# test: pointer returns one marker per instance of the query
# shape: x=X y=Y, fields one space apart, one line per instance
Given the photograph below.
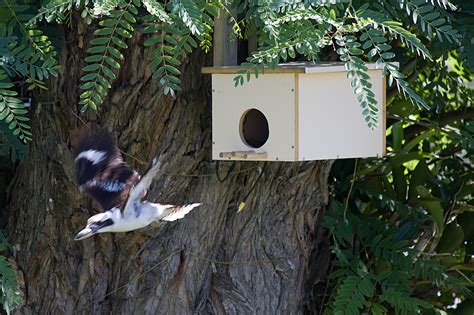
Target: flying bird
x=103 y=174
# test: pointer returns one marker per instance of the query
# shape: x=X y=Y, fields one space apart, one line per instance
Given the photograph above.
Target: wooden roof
x=294 y=67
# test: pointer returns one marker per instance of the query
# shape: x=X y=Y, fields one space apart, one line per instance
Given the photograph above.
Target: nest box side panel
x=331 y=124
x=272 y=95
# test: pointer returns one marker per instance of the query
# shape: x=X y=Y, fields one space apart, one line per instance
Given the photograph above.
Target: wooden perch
x=243 y=155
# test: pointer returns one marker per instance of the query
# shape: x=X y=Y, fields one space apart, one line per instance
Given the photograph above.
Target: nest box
x=295 y=112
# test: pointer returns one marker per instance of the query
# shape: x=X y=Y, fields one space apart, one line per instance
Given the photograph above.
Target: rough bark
x=272 y=257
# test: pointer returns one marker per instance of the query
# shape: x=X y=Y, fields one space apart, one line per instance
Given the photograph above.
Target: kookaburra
x=102 y=173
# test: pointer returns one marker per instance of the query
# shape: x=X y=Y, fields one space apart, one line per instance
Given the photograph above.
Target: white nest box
x=295 y=112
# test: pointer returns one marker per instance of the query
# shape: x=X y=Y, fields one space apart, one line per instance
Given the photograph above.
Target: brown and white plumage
x=101 y=171
x=103 y=174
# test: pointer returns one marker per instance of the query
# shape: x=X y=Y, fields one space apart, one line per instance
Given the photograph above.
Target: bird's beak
x=87 y=232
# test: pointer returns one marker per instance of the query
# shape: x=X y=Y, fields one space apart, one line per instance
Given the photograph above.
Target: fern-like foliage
x=11 y=297
x=443 y=3
x=175 y=28
x=13 y=111
x=431 y=19
x=466 y=30
x=13 y=120
x=172 y=45
x=157 y=10
x=104 y=7
x=54 y=11
x=105 y=54
x=34 y=46
x=290 y=26
x=360 y=81
x=396 y=265
x=403 y=303
x=35 y=60
x=175 y=31
x=26 y=52
x=296 y=30
x=190 y=14
x=378 y=20
x=10 y=145
x=353 y=294
x=374 y=40
x=305 y=40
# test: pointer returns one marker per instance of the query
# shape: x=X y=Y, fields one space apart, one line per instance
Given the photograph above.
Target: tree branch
x=414 y=67
x=443 y=120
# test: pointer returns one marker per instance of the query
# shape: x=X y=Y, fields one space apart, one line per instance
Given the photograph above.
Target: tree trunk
x=272 y=257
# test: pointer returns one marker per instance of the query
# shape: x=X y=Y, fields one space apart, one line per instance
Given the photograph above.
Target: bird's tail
x=178 y=212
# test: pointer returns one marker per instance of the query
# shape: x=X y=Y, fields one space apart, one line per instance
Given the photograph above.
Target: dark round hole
x=254 y=128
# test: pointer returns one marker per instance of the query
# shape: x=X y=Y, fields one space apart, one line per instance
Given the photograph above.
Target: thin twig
x=77 y=116
x=326 y=290
x=350 y=189
x=133 y=279
x=464 y=276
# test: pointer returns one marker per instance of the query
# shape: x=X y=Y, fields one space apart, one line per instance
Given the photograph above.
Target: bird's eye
x=105 y=223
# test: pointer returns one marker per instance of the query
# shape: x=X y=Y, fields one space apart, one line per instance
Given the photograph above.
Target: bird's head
x=99 y=223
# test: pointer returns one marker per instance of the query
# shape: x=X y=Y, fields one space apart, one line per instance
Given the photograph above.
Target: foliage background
x=401 y=229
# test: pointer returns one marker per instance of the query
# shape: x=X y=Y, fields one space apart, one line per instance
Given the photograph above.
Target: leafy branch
x=395 y=28
x=190 y=14
x=105 y=55
x=22 y=60
x=376 y=41
x=352 y=294
x=31 y=35
x=377 y=264
x=360 y=80
x=11 y=297
x=157 y=10
x=54 y=11
x=174 y=44
x=12 y=110
x=431 y=19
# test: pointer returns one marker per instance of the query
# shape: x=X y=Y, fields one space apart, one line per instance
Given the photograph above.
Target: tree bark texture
x=272 y=257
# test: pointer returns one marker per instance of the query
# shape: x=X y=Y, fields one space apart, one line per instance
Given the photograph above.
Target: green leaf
x=388 y=55
x=93 y=58
x=5 y=85
x=99 y=41
x=399 y=181
x=117 y=41
x=114 y=52
x=451 y=239
x=433 y=205
x=108 y=73
x=123 y=33
x=172 y=69
x=96 y=49
x=397 y=135
x=419 y=177
x=378 y=309
x=417 y=140
x=89 y=76
x=103 y=32
x=112 y=62
x=152 y=41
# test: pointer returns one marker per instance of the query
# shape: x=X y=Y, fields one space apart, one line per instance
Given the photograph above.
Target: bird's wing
x=173 y=213
x=101 y=171
x=139 y=190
